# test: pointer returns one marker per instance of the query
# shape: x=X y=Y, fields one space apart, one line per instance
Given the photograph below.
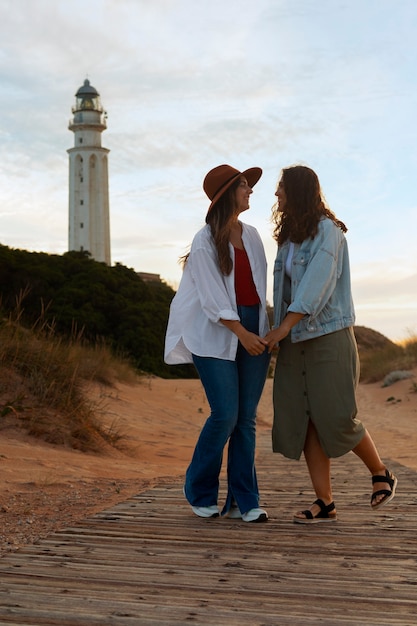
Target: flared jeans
x=233 y=390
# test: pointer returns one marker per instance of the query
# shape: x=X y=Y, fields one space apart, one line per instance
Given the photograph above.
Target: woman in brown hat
x=217 y=321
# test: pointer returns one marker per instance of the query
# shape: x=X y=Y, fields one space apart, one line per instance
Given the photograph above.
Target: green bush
x=100 y=304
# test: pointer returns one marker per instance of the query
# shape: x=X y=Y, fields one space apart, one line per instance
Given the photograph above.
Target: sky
x=188 y=85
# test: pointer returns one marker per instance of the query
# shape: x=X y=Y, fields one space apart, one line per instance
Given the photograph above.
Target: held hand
x=254 y=344
x=274 y=337
x=277 y=334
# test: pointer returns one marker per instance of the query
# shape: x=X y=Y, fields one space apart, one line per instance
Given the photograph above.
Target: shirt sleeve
x=319 y=280
x=215 y=291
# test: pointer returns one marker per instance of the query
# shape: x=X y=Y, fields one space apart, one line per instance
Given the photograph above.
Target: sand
x=46 y=487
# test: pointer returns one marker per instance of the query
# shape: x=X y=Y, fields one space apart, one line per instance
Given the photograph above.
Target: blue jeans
x=233 y=390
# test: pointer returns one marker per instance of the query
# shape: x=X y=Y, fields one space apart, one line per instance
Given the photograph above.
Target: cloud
x=188 y=85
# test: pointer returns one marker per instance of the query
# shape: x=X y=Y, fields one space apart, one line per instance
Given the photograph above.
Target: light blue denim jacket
x=320 y=285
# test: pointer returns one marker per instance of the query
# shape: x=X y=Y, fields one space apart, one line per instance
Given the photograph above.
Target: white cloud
x=188 y=85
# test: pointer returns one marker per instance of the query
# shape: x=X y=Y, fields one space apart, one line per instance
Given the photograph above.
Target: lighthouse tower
x=89 y=219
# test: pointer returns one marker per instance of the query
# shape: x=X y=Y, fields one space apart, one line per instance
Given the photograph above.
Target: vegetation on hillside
x=379 y=356
x=44 y=384
x=78 y=296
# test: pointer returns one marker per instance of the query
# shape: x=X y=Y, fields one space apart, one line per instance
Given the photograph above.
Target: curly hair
x=304 y=207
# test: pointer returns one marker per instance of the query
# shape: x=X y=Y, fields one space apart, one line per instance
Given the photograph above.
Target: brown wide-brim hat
x=219 y=179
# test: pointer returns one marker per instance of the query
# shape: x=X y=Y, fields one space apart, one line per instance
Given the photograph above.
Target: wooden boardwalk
x=150 y=561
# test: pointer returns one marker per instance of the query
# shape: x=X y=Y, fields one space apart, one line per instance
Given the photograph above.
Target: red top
x=246 y=294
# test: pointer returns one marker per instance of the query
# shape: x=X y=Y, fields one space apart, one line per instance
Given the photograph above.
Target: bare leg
x=318 y=465
x=367 y=452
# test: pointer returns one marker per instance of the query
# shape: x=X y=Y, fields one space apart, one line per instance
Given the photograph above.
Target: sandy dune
x=45 y=487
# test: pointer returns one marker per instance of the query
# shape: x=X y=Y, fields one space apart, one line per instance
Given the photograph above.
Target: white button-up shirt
x=205 y=296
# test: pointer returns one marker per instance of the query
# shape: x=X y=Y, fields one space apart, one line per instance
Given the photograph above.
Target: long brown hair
x=219 y=218
x=304 y=207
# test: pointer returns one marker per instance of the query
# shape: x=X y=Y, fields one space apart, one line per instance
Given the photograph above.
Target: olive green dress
x=316 y=380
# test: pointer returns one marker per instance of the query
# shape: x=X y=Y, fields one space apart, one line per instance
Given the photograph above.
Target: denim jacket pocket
x=302 y=259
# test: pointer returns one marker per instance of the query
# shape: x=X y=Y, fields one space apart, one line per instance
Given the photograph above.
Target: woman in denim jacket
x=317 y=367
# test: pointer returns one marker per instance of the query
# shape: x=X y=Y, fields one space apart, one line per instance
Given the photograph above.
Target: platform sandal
x=388 y=494
x=325 y=514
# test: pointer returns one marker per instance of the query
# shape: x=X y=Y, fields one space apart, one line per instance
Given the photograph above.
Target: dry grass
x=44 y=384
x=379 y=356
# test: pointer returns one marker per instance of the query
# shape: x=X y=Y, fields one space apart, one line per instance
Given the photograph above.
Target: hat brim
x=252 y=175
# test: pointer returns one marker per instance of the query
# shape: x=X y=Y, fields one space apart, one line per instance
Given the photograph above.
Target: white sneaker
x=255 y=515
x=234 y=512
x=206 y=511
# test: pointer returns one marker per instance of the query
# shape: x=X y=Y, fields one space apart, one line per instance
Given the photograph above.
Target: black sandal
x=388 y=494
x=324 y=515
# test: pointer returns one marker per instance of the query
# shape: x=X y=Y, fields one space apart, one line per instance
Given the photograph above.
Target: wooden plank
x=150 y=561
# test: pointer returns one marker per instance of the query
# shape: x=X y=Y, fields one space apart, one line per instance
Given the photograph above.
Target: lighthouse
x=89 y=217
